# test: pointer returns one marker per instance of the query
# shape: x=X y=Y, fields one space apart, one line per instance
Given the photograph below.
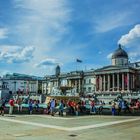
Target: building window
x=121 y=61
x=89 y=89
x=84 y=89
x=89 y=81
x=84 y=81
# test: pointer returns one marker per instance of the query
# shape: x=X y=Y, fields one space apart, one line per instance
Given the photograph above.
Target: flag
x=78 y=60
x=126 y=80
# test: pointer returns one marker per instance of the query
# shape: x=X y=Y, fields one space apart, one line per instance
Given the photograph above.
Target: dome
x=119 y=53
x=57 y=70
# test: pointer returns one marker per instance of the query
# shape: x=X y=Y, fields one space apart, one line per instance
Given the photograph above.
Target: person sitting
x=37 y=105
x=100 y=109
x=19 y=103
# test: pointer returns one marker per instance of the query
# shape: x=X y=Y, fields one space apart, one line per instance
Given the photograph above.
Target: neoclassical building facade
x=119 y=77
x=74 y=83
x=122 y=76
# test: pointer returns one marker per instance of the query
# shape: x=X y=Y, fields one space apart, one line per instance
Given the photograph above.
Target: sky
x=38 y=35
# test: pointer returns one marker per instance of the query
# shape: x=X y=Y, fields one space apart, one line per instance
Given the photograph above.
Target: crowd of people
x=71 y=106
x=18 y=105
x=125 y=106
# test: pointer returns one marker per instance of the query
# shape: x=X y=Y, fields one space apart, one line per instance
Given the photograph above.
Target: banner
x=125 y=80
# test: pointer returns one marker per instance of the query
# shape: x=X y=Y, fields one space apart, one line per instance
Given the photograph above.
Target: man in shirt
x=11 y=103
x=52 y=106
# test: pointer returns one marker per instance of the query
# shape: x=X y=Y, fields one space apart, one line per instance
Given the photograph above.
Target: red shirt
x=92 y=103
x=73 y=104
x=69 y=103
x=11 y=102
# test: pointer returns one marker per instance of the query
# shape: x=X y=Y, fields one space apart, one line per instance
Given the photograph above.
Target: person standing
x=77 y=109
x=92 y=106
x=30 y=106
x=11 y=103
x=2 y=105
x=52 y=106
x=61 y=108
x=113 y=108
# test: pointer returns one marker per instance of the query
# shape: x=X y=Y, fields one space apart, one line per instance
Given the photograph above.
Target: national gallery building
x=119 y=77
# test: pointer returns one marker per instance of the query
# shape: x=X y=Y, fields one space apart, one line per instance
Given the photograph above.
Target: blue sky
x=36 y=35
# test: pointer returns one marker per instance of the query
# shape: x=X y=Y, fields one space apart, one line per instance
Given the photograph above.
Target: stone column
x=118 y=84
x=108 y=83
x=70 y=84
x=97 y=83
x=113 y=85
x=122 y=81
x=128 y=86
x=101 y=83
x=79 y=85
x=76 y=85
x=104 y=83
x=133 y=81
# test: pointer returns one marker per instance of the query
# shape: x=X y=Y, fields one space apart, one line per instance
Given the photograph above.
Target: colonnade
x=77 y=83
x=115 y=82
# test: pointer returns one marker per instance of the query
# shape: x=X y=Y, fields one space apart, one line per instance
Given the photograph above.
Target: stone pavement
x=43 y=127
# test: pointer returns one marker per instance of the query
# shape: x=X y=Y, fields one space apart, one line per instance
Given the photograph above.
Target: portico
x=121 y=80
x=118 y=77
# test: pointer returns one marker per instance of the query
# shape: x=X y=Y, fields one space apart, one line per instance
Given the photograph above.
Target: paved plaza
x=43 y=127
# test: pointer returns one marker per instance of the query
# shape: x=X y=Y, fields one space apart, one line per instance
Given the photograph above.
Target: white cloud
x=48 y=62
x=43 y=24
x=48 y=18
x=109 y=56
x=3 y=33
x=134 y=56
x=9 y=48
x=111 y=21
x=131 y=37
x=131 y=40
x=18 y=56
